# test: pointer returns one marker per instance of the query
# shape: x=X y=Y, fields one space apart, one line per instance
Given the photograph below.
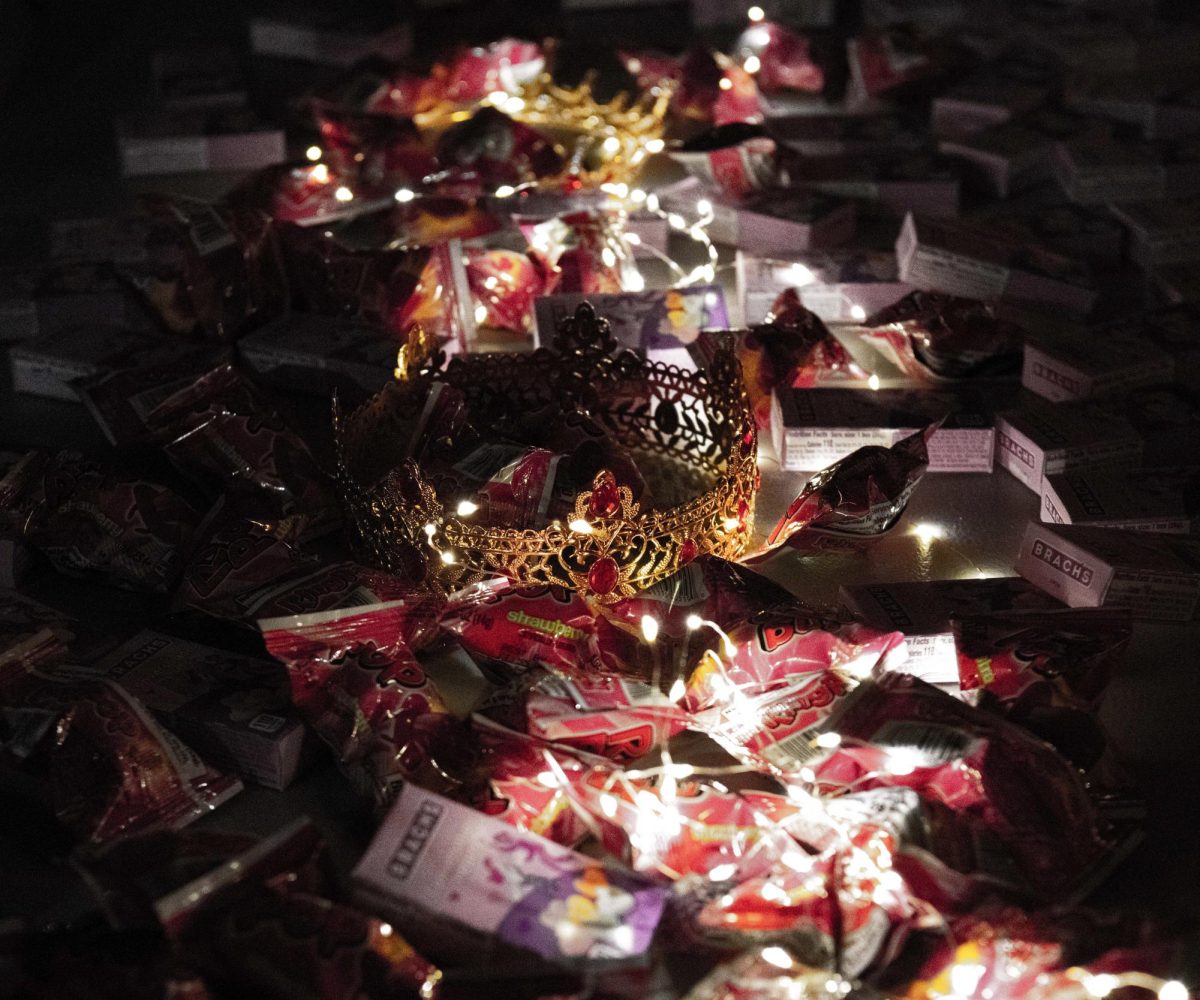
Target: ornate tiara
x=691 y=432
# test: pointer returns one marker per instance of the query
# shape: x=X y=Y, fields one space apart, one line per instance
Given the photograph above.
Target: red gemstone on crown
x=688 y=550
x=602 y=577
x=743 y=514
x=605 y=500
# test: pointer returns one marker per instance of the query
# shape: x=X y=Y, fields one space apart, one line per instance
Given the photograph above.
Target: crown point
x=605 y=500
x=602 y=577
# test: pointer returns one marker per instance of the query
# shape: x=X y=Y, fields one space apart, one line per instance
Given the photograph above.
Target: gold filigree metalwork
x=604 y=141
x=687 y=426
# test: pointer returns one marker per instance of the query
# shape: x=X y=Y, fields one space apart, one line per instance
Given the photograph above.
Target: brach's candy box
x=843 y=135
x=315 y=354
x=329 y=37
x=1159 y=105
x=961 y=259
x=1097 y=171
x=234 y=710
x=1127 y=354
x=1161 y=231
x=812 y=428
x=1041 y=439
x=989 y=97
x=779 y=221
x=196 y=141
x=1019 y=154
x=456 y=875
x=1160 y=500
x=897 y=183
x=1099 y=361
x=660 y=322
x=840 y=286
x=46 y=366
x=922 y=611
x=1155 y=576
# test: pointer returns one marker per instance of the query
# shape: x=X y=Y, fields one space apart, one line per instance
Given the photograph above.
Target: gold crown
x=691 y=432
x=603 y=141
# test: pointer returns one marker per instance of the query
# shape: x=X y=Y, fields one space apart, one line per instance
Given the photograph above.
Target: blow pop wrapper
x=898 y=730
x=506 y=628
x=91 y=521
x=435 y=864
x=928 y=334
x=514 y=782
x=862 y=494
x=505 y=283
x=212 y=272
x=738 y=158
x=769 y=692
x=1045 y=670
x=356 y=682
x=790 y=348
x=784 y=57
x=113 y=770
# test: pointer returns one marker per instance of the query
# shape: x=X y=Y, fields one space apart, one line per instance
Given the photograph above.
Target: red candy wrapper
x=680 y=829
x=371 y=150
x=792 y=347
x=697 y=79
x=862 y=494
x=602 y=713
x=213 y=271
x=928 y=334
x=750 y=976
x=505 y=283
x=584 y=252
x=1002 y=953
x=899 y=731
x=766 y=693
x=1045 y=670
x=785 y=59
x=222 y=433
x=307 y=195
x=520 y=628
x=92 y=522
x=846 y=906
x=522 y=781
x=356 y=682
x=503 y=66
x=114 y=771
x=490 y=149
x=737 y=158
x=881 y=62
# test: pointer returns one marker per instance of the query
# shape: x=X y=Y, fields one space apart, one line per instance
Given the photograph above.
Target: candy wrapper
x=356 y=682
x=785 y=58
x=737 y=158
x=1007 y=954
x=113 y=770
x=766 y=693
x=514 y=782
x=441 y=868
x=927 y=334
x=698 y=79
x=371 y=150
x=91 y=521
x=900 y=731
x=679 y=829
x=862 y=494
x=504 y=284
x=885 y=61
x=846 y=906
x=603 y=713
x=506 y=628
x=790 y=348
x=490 y=149
x=211 y=272
x=777 y=976
x=391 y=288
x=584 y=252
x=1045 y=670
x=222 y=433
x=308 y=195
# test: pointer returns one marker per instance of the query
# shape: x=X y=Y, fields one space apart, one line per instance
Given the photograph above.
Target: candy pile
x=952 y=251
